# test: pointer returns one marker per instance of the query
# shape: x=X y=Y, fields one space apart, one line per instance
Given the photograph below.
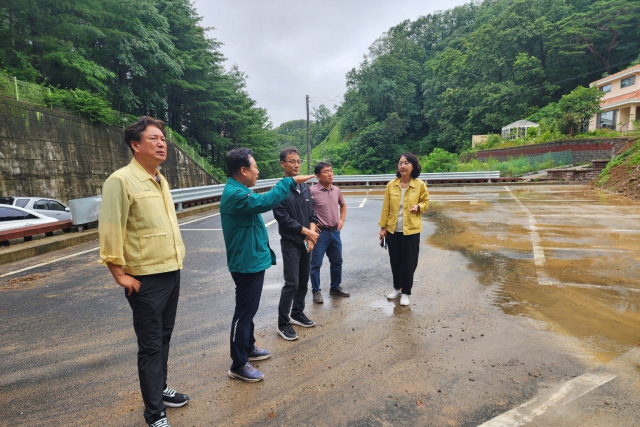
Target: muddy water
x=591 y=244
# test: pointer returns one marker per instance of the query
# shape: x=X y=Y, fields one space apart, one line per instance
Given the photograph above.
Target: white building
x=517 y=129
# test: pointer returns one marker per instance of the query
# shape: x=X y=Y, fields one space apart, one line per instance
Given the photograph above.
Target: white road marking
x=538 y=252
x=199 y=219
x=363 y=202
x=42 y=264
x=270 y=222
x=569 y=392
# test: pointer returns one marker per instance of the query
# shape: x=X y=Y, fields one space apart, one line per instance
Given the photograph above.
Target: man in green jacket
x=248 y=252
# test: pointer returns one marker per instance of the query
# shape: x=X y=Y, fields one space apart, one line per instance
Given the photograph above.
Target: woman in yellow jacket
x=405 y=199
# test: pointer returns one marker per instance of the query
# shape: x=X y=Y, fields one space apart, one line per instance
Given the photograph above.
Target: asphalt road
x=525 y=312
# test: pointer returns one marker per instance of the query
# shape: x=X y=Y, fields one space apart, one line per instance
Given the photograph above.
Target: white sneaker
x=404 y=299
x=395 y=294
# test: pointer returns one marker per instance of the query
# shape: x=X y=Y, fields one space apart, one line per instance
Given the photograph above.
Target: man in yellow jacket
x=141 y=245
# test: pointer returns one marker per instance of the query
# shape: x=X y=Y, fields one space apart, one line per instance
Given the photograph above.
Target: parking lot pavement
x=525 y=312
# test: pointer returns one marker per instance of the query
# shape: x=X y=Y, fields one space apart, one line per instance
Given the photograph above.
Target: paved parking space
x=525 y=312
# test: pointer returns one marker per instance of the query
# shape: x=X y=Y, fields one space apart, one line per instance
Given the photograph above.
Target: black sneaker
x=246 y=373
x=161 y=420
x=173 y=399
x=302 y=320
x=339 y=292
x=288 y=333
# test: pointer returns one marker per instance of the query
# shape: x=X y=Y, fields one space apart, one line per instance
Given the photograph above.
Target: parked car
x=47 y=207
x=14 y=217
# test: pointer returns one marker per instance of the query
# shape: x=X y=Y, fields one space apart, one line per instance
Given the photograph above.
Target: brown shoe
x=317 y=297
x=339 y=292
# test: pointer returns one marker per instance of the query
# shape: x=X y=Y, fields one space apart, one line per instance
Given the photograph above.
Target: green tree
x=575 y=109
x=605 y=28
x=376 y=149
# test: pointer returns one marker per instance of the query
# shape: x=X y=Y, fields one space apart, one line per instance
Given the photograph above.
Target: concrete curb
x=55 y=243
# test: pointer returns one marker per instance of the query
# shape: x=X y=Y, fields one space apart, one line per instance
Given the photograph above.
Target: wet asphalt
x=525 y=312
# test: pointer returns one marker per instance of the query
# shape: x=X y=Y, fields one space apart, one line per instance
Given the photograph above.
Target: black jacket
x=294 y=213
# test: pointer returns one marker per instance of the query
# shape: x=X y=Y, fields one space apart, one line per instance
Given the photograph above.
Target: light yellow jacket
x=138 y=227
x=416 y=194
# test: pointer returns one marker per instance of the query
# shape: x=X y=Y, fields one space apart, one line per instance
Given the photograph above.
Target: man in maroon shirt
x=326 y=199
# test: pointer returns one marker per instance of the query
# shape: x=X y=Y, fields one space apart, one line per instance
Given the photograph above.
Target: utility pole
x=308 y=141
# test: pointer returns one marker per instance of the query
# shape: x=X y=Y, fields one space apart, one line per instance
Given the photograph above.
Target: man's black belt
x=327 y=228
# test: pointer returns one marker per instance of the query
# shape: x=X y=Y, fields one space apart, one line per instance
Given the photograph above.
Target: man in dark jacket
x=248 y=252
x=297 y=226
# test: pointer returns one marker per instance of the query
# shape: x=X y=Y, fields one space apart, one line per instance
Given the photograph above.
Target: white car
x=42 y=205
x=14 y=217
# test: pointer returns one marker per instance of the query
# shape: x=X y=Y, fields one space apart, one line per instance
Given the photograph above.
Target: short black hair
x=237 y=159
x=134 y=131
x=321 y=166
x=286 y=151
x=415 y=172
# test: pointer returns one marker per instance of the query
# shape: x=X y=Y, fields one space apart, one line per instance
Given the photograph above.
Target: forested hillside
x=424 y=84
x=142 y=57
x=433 y=82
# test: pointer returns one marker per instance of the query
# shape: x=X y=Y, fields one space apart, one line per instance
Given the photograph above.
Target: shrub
x=440 y=161
x=82 y=103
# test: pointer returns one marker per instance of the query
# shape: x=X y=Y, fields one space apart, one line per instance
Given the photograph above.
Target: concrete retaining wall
x=582 y=151
x=48 y=153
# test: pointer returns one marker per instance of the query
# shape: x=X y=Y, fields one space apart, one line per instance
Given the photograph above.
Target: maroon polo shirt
x=326 y=203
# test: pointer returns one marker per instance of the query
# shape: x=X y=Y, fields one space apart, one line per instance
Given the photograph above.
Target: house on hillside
x=621 y=101
x=517 y=129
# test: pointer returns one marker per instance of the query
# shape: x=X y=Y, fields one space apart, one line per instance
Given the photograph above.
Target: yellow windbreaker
x=416 y=194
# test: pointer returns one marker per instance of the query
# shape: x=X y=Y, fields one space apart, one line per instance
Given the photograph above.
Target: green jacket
x=245 y=236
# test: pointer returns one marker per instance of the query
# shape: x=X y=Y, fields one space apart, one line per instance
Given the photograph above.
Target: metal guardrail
x=87 y=210
x=426 y=177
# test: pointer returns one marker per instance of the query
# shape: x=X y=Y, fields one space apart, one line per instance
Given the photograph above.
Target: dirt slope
x=622 y=174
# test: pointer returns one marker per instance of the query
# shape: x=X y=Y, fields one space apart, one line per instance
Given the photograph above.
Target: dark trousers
x=403 y=254
x=295 y=262
x=328 y=242
x=248 y=292
x=154 y=309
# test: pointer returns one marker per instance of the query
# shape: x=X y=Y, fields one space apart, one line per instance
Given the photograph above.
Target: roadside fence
x=86 y=210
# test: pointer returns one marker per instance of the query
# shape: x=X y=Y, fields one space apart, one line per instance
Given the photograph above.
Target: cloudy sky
x=290 y=49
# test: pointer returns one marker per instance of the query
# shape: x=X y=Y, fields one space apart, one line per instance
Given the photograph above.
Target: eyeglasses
x=404 y=163
x=295 y=162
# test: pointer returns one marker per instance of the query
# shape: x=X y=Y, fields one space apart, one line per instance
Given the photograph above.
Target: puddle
x=385 y=306
x=496 y=240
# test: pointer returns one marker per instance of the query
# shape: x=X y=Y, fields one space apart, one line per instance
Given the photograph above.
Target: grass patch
x=629 y=158
x=510 y=168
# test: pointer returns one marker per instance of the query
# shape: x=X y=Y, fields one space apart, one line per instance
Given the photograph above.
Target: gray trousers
x=296 y=263
x=154 y=309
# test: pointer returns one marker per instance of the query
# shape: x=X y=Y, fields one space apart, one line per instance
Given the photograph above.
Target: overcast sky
x=290 y=49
